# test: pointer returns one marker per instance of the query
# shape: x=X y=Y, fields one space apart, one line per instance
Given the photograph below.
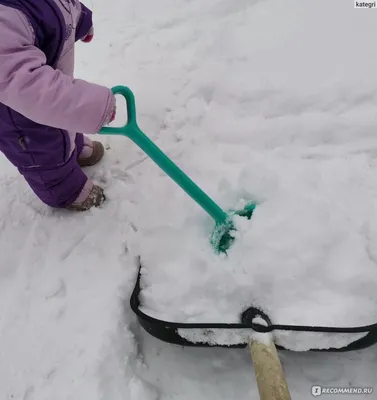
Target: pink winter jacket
x=45 y=95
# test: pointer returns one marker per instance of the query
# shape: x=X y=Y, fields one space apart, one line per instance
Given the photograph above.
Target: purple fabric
x=49 y=37
x=79 y=142
x=58 y=186
x=41 y=105
x=85 y=23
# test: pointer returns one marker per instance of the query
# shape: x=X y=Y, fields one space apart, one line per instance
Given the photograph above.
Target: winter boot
x=95 y=197
x=91 y=154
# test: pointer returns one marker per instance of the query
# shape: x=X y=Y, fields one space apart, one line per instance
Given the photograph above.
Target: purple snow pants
x=47 y=162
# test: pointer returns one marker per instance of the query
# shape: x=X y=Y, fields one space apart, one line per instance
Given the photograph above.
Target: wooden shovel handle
x=268 y=371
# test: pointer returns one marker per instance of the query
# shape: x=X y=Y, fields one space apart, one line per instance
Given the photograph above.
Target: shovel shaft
x=269 y=373
x=132 y=131
x=179 y=177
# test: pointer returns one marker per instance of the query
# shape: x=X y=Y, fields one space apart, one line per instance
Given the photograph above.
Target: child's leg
x=58 y=186
x=49 y=164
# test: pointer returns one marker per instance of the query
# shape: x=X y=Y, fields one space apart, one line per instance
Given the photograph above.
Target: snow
x=272 y=124
x=295 y=259
x=264 y=100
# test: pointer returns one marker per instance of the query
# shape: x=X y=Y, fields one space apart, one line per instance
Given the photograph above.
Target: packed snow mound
x=275 y=112
x=307 y=256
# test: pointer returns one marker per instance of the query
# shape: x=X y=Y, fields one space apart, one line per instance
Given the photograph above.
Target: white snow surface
x=268 y=101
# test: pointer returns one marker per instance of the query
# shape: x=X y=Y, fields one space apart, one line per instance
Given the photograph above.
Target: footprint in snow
x=59 y=292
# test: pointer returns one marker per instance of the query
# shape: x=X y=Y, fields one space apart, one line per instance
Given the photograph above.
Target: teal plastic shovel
x=222 y=237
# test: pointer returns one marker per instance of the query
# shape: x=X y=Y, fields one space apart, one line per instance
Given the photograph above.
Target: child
x=42 y=107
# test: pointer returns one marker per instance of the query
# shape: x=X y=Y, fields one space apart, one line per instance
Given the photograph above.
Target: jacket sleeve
x=41 y=93
x=85 y=22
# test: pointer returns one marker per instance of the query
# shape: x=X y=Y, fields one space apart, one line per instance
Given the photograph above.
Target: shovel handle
x=133 y=132
x=269 y=373
x=130 y=128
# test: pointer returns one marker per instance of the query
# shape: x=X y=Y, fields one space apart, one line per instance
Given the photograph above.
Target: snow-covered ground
x=248 y=97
